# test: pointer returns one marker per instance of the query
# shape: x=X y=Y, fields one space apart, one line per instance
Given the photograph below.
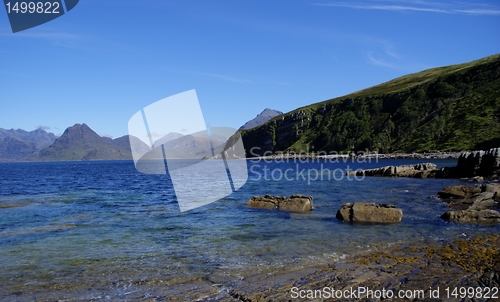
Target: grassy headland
x=448 y=108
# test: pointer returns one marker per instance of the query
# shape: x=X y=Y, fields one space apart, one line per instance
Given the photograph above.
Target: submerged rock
x=369 y=212
x=294 y=203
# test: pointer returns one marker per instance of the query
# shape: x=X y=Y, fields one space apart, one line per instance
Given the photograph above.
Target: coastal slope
x=448 y=108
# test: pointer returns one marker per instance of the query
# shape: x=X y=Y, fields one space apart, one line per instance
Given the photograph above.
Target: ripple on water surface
x=88 y=228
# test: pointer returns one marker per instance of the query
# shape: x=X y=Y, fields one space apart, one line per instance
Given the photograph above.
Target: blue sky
x=106 y=59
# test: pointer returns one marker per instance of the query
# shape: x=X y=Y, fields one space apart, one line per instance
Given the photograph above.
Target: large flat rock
x=369 y=212
x=294 y=203
x=458 y=192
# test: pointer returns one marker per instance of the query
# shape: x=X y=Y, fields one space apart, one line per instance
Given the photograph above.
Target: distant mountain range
x=80 y=142
x=19 y=144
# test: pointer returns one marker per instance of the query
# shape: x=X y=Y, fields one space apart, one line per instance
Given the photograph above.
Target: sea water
x=95 y=229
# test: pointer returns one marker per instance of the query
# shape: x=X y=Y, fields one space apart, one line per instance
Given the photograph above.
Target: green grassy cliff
x=448 y=108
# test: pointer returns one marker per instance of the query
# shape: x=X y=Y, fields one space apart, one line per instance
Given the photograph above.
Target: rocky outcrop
x=479 y=163
x=493 y=188
x=472 y=216
x=471 y=204
x=458 y=192
x=418 y=170
x=476 y=164
x=369 y=212
x=294 y=203
x=482 y=201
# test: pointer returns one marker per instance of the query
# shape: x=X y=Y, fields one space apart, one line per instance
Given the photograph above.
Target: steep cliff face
x=448 y=109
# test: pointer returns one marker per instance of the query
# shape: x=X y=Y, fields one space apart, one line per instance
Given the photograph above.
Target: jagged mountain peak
x=261 y=118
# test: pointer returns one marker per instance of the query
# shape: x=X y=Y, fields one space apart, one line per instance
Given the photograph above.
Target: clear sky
x=106 y=59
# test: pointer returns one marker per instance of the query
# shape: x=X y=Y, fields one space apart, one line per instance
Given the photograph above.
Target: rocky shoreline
x=424 y=269
x=469 y=263
x=477 y=164
x=433 y=270
x=358 y=155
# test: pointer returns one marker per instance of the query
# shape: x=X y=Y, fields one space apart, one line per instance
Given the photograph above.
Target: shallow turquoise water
x=93 y=229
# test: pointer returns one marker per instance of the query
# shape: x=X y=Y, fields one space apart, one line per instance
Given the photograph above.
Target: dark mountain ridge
x=79 y=142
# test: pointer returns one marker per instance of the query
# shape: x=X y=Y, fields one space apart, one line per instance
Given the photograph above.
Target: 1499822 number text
x=472 y=293
x=33 y=7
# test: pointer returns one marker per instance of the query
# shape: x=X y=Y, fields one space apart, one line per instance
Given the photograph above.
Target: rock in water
x=458 y=192
x=294 y=203
x=369 y=212
x=482 y=201
x=493 y=188
x=472 y=216
x=267 y=202
x=471 y=204
x=476 y=165
x=418 y=170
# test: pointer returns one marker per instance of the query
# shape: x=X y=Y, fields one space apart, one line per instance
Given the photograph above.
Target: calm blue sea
x=100 y=228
